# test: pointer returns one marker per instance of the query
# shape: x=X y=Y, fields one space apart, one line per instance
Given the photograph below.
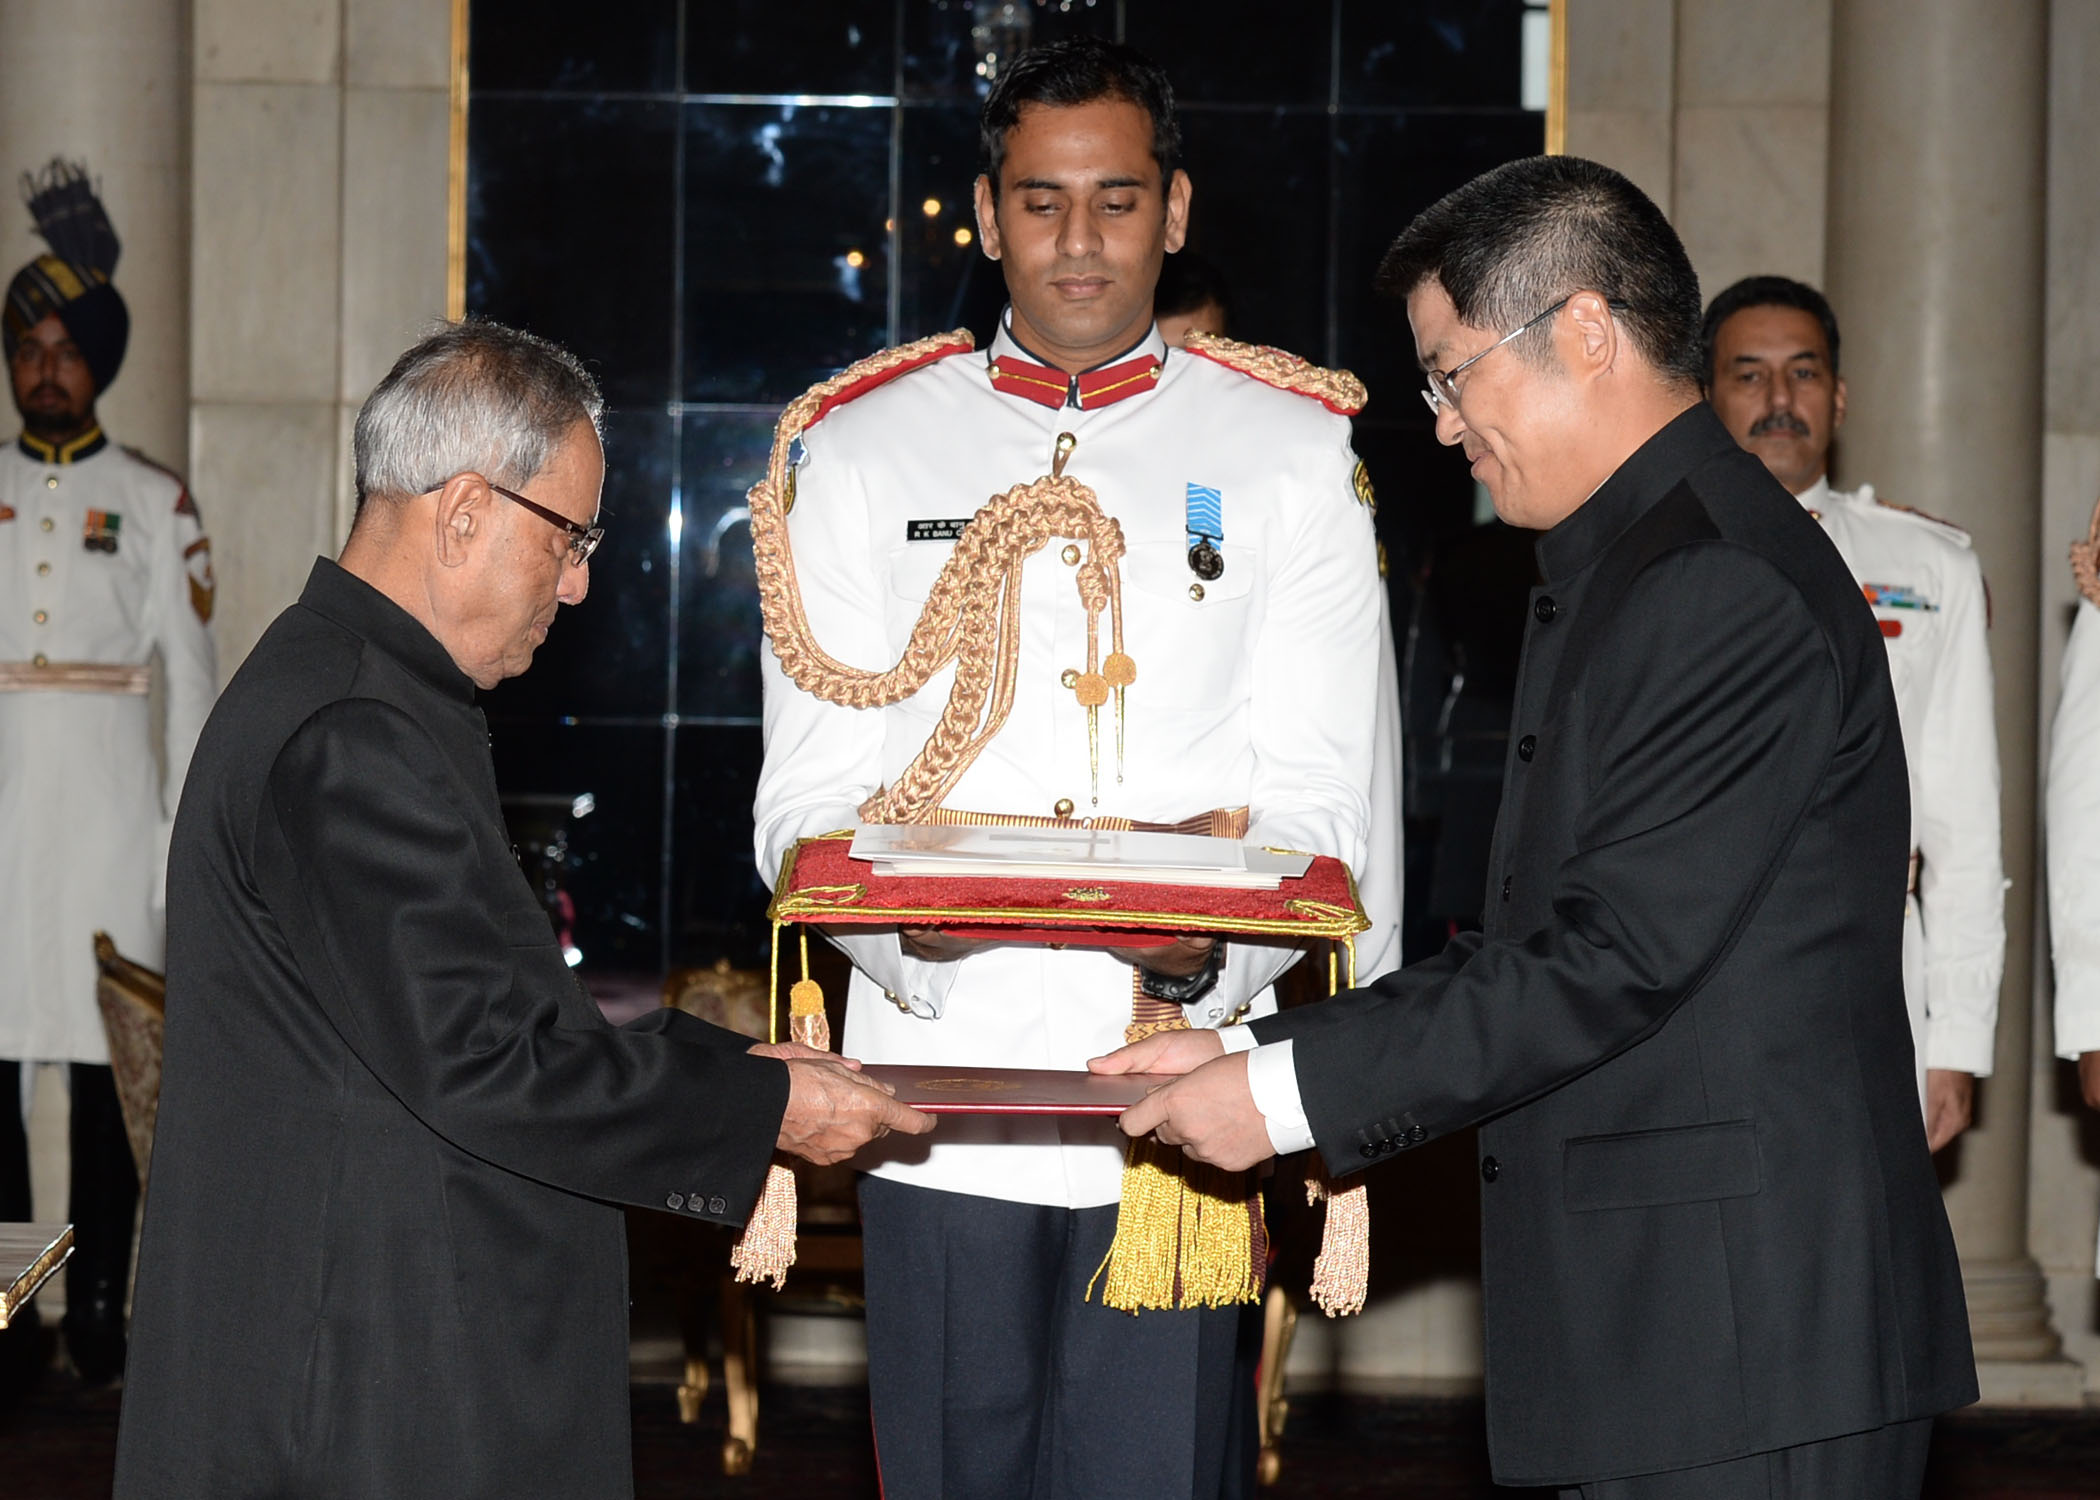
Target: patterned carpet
x=58 y=1444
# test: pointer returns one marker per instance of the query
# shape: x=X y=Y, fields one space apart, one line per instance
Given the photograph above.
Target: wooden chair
x=133 y=1001
x=828 y=1253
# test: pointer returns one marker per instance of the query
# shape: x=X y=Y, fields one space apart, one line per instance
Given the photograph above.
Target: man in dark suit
x=384 y=1250
x=1714 y=1258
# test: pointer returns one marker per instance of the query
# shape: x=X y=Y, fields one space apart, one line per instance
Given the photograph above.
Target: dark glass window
x=570 y=230
x=786 y=250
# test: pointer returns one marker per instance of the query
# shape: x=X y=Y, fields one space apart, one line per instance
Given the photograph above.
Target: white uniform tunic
x=2073 y=811
x=1264 y=692
x=2074 y=840
x=103 y=561
x=1927 y=591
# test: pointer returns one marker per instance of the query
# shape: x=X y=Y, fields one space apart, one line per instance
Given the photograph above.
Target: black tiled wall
x=719 y=202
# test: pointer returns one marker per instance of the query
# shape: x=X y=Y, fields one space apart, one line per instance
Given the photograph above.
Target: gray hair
x=472 y=397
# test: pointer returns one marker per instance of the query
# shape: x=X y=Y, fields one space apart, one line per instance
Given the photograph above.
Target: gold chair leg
x=692 y=1332
x=692 y=1391
x=739 y=1377
x=1279 y=1320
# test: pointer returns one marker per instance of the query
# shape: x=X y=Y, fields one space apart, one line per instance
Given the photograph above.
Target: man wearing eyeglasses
x=1772 y=377
x=1714 y=1260
x=384 y=1249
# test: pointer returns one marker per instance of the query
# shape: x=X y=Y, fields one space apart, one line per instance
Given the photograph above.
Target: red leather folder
x=821 y=883
x=942 y=1090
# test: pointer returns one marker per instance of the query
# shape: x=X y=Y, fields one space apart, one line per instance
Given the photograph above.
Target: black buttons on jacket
x=1397 y=1137
x=1505 y=888
x=1490 y=1169
x=1545 y=609
x=1527 y=747
x=717 y=1205
x=675 y=1200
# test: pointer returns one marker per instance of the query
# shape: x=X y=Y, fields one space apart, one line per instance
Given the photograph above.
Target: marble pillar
x=107 y=82
x=1935 y=257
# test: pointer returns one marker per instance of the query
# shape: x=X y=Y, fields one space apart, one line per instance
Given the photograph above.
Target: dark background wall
x=718 y=203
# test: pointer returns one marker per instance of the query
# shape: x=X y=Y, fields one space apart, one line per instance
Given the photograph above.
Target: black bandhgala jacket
x=1709 y=1223
x=383 y=1251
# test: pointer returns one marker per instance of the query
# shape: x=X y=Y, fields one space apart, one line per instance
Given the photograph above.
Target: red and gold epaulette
x=1337 y=390
x=863 y=376
x=184 y=504
x=1923 y=515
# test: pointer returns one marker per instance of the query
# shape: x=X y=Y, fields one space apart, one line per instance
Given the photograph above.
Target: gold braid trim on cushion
x=972 y=617
x=1337 y=390
x=2085 y=559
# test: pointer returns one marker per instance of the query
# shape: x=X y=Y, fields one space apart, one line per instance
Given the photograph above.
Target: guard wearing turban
x=75 y=288
x=104 y=565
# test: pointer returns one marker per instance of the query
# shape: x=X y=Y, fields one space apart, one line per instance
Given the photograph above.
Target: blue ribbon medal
x=1205 y=524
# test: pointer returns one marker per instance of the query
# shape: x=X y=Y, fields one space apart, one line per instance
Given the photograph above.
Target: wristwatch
x=1185 y=991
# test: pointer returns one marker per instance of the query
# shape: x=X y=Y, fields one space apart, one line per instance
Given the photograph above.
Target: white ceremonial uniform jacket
x=1927 y=591
x=2073 y=813
x=2074 y=840
x=1261 y=690
x=103 y=564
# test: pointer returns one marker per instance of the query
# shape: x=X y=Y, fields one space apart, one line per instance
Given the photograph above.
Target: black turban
x=73 y=281
x=85 y=302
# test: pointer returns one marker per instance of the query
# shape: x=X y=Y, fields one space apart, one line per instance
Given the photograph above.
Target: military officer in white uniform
x=2073 y=811
x=1772 y=361
x=991 y=1373
x=104 y=566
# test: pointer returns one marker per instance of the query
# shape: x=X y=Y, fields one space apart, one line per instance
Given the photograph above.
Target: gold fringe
x=1184 y=1235
x=766 y=1248
x=1341 y=1277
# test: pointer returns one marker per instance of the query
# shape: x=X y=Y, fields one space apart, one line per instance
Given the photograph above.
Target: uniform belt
x=73 y=677
x=1218 y=823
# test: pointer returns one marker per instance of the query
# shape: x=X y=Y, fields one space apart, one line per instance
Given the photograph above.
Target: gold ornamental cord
x=1186 y=1235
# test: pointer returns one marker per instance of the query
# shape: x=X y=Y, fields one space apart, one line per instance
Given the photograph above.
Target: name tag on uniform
x=934 y=531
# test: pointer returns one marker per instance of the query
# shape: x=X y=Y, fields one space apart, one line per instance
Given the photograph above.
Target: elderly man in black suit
x=1714 y=1258
x=384 y=1249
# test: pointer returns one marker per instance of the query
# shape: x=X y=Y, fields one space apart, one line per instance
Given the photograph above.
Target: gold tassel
x=1342 y=1272
x=766 y=1248
x=1186 y=1235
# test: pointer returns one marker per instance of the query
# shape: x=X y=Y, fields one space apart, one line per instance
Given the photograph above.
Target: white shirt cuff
x=1273 y=1080
x=1237 y=1038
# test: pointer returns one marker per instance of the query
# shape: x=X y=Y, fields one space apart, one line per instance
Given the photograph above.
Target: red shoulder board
x=863 y=376
x=152 y=463
x=1922 y=515
x=1337 y=390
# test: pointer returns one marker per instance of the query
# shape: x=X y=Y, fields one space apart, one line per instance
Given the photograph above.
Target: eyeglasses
x=1443 y=384
x=583 y=540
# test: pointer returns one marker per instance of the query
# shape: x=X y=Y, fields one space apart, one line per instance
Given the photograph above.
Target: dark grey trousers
x=1887 y=1463
x=992 y=1378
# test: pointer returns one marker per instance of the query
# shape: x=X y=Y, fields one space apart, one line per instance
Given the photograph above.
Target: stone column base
x=2020 y=1382
x=2019 y=1358
x=2009 y=1312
